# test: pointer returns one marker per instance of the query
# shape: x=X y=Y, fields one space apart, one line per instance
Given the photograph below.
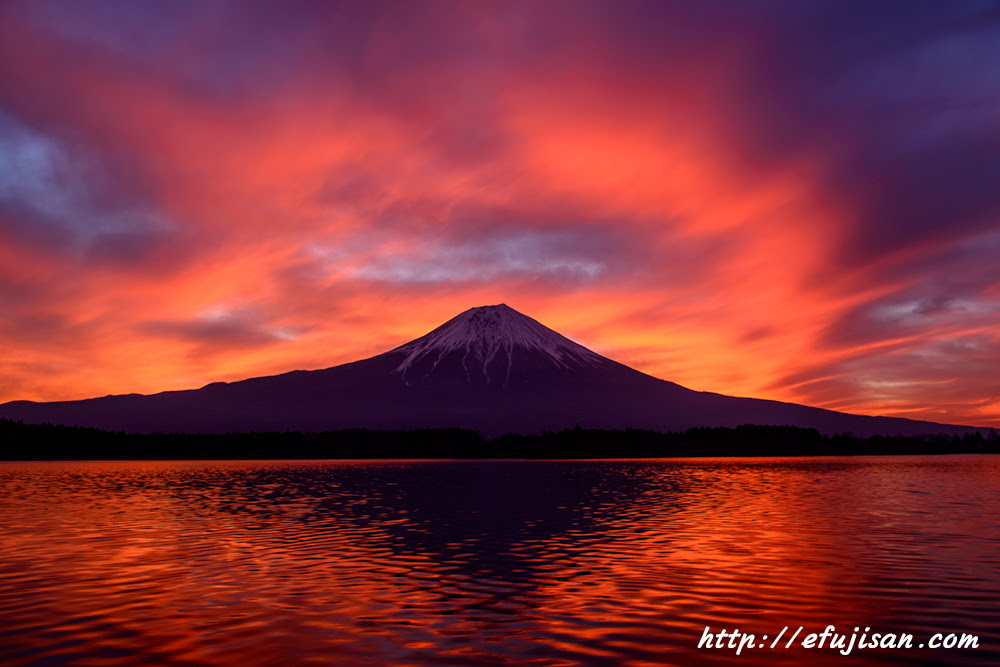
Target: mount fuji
x=491 y=369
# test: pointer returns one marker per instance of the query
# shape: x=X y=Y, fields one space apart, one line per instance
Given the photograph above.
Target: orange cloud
x=191 y=212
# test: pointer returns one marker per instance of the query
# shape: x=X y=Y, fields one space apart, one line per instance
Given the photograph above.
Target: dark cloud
x=569 y=255
x=67 y=197
x=217 y=332
x=899 y=100
x=797 y=178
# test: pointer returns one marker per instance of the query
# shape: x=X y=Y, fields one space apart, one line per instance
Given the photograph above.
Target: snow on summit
x=491 y=333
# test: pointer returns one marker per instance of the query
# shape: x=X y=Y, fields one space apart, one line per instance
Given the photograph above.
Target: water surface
x=493 y=562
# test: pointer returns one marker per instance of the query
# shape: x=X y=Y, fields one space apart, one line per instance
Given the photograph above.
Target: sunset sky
x=787 y=200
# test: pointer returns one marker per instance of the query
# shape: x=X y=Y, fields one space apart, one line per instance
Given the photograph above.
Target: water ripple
x=491 y=563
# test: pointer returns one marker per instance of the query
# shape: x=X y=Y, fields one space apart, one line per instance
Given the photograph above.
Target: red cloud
x=202 y=205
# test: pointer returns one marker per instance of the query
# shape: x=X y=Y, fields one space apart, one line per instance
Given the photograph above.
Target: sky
x=789 y=200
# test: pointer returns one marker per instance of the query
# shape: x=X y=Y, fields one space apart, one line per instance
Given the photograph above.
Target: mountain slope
x=490 y=368
x=485 y=341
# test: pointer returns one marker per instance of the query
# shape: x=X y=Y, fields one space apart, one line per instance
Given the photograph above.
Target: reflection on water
x=493 y=562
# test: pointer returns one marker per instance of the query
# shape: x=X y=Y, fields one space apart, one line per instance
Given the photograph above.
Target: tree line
x=19 y=441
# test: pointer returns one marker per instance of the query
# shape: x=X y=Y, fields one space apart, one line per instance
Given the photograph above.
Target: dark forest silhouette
x=19 y=441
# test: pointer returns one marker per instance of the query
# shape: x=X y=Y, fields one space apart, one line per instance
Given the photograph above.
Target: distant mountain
x=490 y=368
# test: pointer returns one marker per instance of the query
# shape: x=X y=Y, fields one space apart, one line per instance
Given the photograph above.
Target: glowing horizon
x=791 y=202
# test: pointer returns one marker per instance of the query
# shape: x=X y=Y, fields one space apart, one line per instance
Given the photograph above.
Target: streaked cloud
x=787 y=200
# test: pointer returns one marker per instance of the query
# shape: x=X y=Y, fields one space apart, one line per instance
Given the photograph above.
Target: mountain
x=490 y=368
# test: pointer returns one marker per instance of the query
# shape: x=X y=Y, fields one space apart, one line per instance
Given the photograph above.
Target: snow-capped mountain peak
x=486 y=339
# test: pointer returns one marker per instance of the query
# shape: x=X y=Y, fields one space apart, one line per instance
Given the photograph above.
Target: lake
x=498 y=562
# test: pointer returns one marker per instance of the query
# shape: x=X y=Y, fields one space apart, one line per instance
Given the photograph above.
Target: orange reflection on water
x=574 y=563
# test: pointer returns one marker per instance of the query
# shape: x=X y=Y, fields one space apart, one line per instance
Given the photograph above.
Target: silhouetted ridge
x=489 y=369
x=485 y=342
